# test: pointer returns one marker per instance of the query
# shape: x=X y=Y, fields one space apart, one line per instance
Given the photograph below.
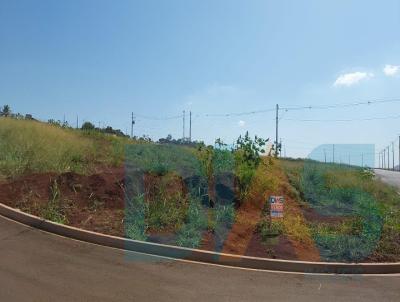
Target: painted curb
x=198 y=255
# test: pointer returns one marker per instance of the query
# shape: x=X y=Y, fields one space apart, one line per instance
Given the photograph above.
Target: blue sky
x=103 y=59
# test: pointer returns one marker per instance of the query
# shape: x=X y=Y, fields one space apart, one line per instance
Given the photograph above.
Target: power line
x=236 y=113
x=346 y=120
x=302 y=107
x=272 y=109
x=343 y=105
x=157 y=118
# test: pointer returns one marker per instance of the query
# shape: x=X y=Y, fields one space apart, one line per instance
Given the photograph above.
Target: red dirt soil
x=96 y=203
x=243 y=238
x=283 y=247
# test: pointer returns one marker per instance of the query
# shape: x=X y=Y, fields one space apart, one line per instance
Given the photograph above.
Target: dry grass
x=30 y=146
x=295 y=225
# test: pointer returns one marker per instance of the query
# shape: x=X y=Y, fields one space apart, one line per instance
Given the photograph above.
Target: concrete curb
x=198 y=255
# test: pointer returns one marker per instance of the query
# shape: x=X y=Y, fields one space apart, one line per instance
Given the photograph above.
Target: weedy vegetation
x=369 y=210
x=28 y=146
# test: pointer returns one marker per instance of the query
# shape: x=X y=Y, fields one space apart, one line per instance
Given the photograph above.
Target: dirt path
x=243 y=239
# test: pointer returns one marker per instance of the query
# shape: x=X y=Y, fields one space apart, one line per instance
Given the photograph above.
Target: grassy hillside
x=30 y=146
x=203 y=197
x=352 y=215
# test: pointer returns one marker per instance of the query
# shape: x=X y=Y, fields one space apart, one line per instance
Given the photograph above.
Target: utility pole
x=384 y=158
x=280 y=146
x=393 y=154
x=276 y=128
x=325 y=155
x=388 y=157
x=190 y=126
x=183 y=126
x=379 y=159
x=132 y=123
x=77 y=122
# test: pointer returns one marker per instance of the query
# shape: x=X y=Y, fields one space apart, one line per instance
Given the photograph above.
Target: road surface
x=390 y=177
x=38 y=266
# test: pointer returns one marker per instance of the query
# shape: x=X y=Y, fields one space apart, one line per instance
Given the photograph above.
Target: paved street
x=390 y=177
x=37 y=266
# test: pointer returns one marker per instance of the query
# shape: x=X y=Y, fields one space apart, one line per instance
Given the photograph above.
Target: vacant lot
x=198 y=196
x=352 y=215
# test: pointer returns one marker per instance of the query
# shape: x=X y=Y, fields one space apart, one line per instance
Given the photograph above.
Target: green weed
x=195 y=224
x=53 y=210
x=135 y=218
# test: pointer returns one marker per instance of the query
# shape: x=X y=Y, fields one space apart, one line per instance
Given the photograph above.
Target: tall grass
x=372 y=209
x=30 y=146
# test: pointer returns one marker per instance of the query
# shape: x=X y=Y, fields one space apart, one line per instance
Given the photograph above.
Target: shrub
x=88 y=126
x=135 y=218
x=166 y=209
x=247 y=159
x=195 y=224
x=269 y=229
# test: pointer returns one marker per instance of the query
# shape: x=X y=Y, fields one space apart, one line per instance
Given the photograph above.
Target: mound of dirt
x=105 y=187
x=94 y=202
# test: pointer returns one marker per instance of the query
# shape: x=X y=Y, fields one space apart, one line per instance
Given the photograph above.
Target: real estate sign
x=276 y=206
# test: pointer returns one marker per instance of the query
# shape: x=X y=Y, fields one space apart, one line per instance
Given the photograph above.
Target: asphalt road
x=38 y=266
x=390 y=177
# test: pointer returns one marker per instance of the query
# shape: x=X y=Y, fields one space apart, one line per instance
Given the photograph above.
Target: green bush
x=135 y=218
x=269 y=229
x=247 y=159
x=196 y=223
x=225 y=215
x=166 y=211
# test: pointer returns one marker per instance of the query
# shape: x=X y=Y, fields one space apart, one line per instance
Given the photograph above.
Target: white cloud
x=391 y=70
x=241 y=124
x=349 y=79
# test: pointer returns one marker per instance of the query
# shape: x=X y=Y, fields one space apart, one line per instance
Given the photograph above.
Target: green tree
x=247 y=158
x=6 y=111
x=87 y=126
x=219 y=143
